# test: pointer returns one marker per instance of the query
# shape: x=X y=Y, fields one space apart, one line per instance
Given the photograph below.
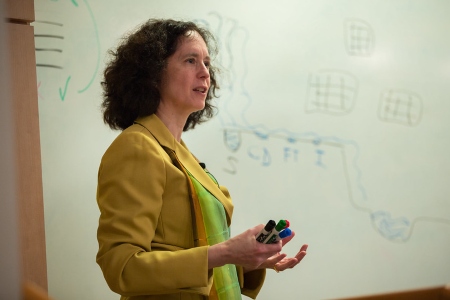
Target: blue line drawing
x=331 y=91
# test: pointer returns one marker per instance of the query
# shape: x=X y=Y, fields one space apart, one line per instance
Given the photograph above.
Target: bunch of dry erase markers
x=273 y=232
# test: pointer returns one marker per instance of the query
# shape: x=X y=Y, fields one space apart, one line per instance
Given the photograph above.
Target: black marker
x=265 y=231
x=282 y=224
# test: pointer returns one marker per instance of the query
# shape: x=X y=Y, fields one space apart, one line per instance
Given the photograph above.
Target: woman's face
x=185 y=81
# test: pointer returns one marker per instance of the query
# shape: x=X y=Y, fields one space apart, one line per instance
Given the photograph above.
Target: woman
x=163 y=229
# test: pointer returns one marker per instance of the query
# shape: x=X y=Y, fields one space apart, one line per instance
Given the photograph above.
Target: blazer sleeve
x=131 y=183
x=251 y=282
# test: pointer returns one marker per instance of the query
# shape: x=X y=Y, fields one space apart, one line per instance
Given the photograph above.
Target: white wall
x=333 y=115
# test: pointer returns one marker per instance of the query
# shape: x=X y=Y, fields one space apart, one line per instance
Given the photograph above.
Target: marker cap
x=285 y=233
x=281 y=224
x=270 y=225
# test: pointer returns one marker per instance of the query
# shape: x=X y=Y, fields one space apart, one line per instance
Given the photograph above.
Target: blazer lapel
x=157 y=128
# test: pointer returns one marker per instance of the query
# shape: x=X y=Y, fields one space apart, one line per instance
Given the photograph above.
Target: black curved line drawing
x=331 y=92
x=359 y=37
x=400 y=107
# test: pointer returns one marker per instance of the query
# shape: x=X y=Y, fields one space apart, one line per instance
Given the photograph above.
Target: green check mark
x=62 y=93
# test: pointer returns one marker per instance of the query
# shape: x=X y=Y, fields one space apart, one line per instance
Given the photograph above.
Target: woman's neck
x=173 y=122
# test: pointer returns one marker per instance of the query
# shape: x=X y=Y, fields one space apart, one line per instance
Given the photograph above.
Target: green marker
x=273 y=235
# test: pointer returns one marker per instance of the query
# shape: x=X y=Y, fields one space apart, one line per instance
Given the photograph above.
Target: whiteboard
x=333 y=115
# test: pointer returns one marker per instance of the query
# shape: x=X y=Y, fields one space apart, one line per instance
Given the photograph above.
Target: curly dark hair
x=133 y=75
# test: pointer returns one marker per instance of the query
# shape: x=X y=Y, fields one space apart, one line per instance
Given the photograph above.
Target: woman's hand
x=279 y=262
x=245 y=251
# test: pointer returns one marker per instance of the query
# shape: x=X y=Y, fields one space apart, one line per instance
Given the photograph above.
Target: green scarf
x=211 y=228
x=217 y=230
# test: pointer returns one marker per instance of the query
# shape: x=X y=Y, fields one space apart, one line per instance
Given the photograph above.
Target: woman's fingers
x=289 y=263
x=276 y=259
x=304 y=247
x=286 y=263
x=288 y=238
x=300 y=255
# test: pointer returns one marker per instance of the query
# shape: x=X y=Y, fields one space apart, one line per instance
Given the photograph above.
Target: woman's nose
x=204 y=71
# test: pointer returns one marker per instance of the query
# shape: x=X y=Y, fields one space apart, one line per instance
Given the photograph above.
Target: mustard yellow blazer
x=145 y=232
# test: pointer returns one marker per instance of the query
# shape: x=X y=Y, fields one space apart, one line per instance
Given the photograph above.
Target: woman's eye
x=191 y=60
x=207 y=64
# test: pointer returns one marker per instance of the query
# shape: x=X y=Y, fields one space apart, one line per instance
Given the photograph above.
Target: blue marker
x=284 y=233
x=264 y=233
